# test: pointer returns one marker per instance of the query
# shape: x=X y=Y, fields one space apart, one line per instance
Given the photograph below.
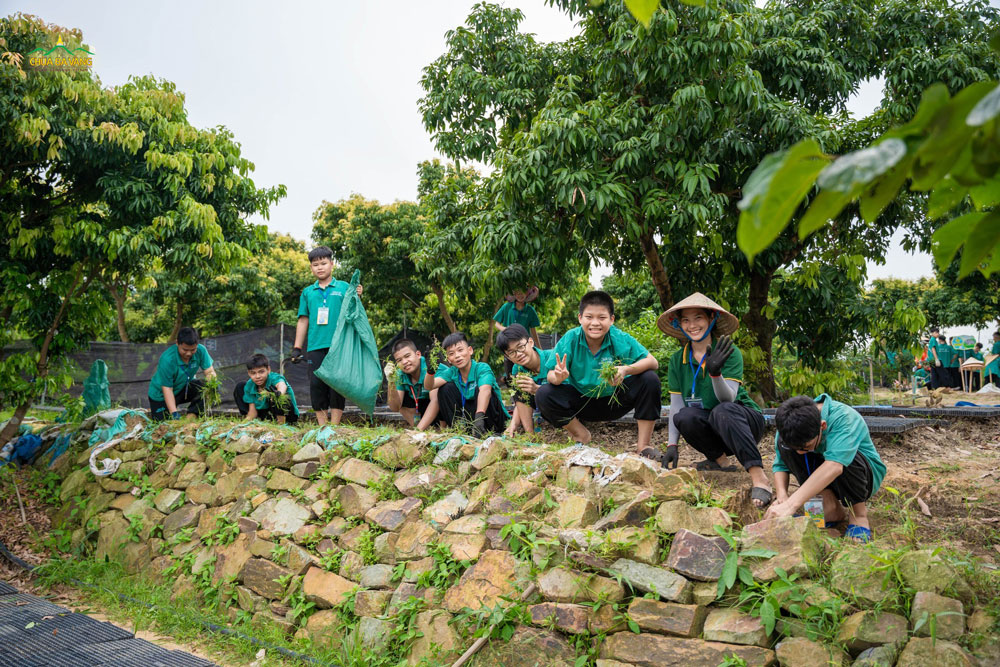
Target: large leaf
x=643 y=10
x=860 y=167
x=984 y=239
x=932 y=100
x=985 y=110
x=944 y=197
x=938 y=154
x=825 y=207
x=878 y=195
x=947 y=239
x=773 y=192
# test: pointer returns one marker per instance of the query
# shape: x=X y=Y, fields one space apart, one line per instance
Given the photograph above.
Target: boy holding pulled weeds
x=530 y=368
x=409 y=397
x=260 y=397
x=467 y=389
x=828 y=448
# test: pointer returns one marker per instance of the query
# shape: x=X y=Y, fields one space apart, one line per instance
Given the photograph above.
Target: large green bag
x=96 y=394
x=352 y=366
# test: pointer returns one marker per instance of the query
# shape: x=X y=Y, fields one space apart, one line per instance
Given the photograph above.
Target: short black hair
x=598 y=298
x=403 y=342
x=978 y=345
x=933 y=329
x=511 y=335
x=942 y=339
x=258 y=361
x=454 y=339
x=798 y=421
x=320 y=252
x=187 y=336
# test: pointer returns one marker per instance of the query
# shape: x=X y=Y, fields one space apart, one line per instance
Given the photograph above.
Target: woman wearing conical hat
x=708 y=404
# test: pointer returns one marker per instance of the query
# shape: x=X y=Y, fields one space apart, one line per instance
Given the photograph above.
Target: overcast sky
x=322 y=95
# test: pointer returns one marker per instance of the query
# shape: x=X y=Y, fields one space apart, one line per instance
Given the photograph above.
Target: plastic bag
x=351 y=366
x=96 y=395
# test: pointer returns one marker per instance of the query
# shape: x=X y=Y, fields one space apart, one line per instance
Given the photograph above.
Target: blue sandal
x=858 y=533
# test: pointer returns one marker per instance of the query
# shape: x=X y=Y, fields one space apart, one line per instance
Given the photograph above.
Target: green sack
x=96 y=396
x=351 y=366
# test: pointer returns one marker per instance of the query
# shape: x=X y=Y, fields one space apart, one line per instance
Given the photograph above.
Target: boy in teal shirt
x=319 y=309
x=949 y=362
x=828 y=448
x=174 y=381
x=576 y=392
x=406 y=393
x=937 y=368
x=992 y=371
x=520 y=312
x=530 y=369
x=260 y=396
x=467 y=389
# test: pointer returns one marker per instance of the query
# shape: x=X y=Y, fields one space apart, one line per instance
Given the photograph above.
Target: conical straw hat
x=726 y=324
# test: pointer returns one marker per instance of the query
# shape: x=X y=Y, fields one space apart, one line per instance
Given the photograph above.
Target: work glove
x=389 y=371
x=296 y=355
x=937 y=362
x=479 y=424
x=669 y=458
x=723 y=348
x=175 y=414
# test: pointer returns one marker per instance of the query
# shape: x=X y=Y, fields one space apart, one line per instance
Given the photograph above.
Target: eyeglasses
x=520 y=349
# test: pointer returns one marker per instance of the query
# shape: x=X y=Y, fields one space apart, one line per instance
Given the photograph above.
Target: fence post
x=281 y=348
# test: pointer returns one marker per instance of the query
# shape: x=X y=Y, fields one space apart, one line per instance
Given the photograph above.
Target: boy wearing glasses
x=826 y=445
x=467 y=389
x=531 y=365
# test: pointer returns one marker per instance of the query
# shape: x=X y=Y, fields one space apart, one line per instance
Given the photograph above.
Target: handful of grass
x=211 y=393
x=436 y=355
x=281 y=401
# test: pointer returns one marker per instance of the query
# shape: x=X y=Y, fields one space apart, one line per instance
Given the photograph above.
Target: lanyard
x=806 y=457
x=695 y=371
x=416 y=401
x=463 y=386
x=323 y=292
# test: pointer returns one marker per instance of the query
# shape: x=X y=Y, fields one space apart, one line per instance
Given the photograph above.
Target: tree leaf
x=985 y=110
x=950 y=236
x=643 y=10
x=932 y=100
x=944 y=197
x=863 y=166
x=826 y=206
x=878 y=195
x=693 y=3
x=984 y=239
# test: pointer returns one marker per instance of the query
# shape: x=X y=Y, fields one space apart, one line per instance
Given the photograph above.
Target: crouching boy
x=174 y=383
x=530 y=368
x=577 y=392
x=826 y=445
x=406 y=393
x=467 y=389
x=266 y=395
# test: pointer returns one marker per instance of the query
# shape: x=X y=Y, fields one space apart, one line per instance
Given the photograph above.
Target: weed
x=211 y=393
x=225 y=532
x=446 y=569
x=500 y=622
x=521 y=537
x=366 y=546
x=135 y=526
x=384 y=488
x=331 y=558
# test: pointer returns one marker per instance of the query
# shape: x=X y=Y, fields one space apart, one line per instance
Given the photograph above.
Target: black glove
x=176 y=414
x=669 y=457
x=479 y=424
x=722 y=350
x=296 y=355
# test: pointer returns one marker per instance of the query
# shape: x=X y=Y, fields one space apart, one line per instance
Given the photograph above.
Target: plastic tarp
x=352 y=366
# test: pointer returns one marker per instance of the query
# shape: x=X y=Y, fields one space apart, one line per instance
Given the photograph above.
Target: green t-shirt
x=978 y=355
x=546 y=362
x=509 y=314
x=684 y=371
x=251 y=393
x=584 y=366
x=922 y=376
x=315 y=297
x=931 y=345
x=846 y=434
x=404 y=383
x=172 y=372
x=947 y=355
x=480 y=374
x=993 y=368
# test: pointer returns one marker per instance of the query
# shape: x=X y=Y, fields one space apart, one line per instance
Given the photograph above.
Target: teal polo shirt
x=405 y=384
x=948 y=356
x=480 y=374
x=251 y=393
x=845 y=435
x=315 y=297
x=509 y=314
x=684 y=372
x=546 y=362
x=584 y=366
x=172 y=372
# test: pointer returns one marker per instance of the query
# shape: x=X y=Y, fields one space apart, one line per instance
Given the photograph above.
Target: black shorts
x=323 y=396
x=191 y=394
x=420 y=405
x=854 y=485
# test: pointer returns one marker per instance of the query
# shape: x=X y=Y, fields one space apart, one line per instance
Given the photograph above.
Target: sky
x=321 y=95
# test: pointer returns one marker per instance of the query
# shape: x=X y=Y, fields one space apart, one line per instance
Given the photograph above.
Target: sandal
x=712 y=466
x=858 y=533
x=761 y=494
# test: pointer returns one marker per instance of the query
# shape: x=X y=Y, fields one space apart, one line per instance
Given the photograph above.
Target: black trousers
x=939 y=377
x=560 y=404
x=728 y=428
x=853 y=486
x=452 y=409
x=323 y=395
x=191 y=394
x=270 y=412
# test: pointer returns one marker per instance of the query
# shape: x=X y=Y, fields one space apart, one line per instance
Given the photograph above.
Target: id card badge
x=694 y=402
x=323 y=315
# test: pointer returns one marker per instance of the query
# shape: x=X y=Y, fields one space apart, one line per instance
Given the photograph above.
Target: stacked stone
x=604 y=573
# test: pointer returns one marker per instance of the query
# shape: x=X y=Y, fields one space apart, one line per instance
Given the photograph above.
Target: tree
x=96 y=184
x=639 y=150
